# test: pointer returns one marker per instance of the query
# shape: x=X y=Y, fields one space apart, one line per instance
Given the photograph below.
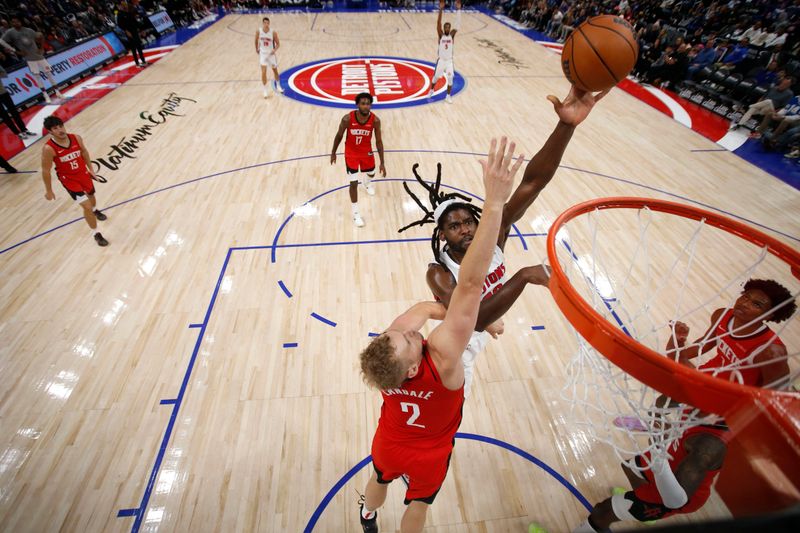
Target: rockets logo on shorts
x=393 y=82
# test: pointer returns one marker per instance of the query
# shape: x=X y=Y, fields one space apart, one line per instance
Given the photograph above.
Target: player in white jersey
x=457 y=219
x=444 y=60
x=267 y=43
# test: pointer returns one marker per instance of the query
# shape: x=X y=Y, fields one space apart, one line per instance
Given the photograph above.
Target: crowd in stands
x=64 y=23
x=744 y=53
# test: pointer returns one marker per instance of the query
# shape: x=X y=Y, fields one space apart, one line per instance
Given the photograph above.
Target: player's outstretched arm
x=338 y=138
x=256 y=41
x=276 y=41
x=457 y=23
x=542 y=167
x=676 y=344
x=442 y=284
x=439 y=29
x=449 y=339
x=416 y=316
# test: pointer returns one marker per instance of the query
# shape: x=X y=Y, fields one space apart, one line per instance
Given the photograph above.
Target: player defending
x=70 y=156
x=456 y=222
x=742 y=338
x=360 y=125
x=422 y=383
x=267 y=43
x=444 y=61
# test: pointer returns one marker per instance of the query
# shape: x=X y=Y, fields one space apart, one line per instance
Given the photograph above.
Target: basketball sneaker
x=277 y=87
x=448 y=99
x=368 y=525
x=370 y=188
x=358 y=221
x=267 y=91
x=101 y=241
x=100 y=215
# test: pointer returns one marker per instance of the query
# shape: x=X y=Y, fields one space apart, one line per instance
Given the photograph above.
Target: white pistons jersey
x=494 y=279
x=265 y=42
x=446 y=47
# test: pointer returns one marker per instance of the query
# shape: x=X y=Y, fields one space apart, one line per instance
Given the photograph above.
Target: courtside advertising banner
x=65 y=65
x=161 y=21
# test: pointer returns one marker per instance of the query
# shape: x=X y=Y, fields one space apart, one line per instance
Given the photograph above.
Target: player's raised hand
x=499 y=170
x=576 y=106
x=441 y=5
x=458 y=4
x=680 y=331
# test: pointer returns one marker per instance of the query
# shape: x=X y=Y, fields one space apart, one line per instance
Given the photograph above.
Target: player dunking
x=267 y=43
x=422 y=383
x=742 y=338
x=456 y=221
x=70 y=156
x=360 y=125
x=444 y=61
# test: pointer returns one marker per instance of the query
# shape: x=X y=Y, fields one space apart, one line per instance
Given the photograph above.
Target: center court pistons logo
x=393 y=81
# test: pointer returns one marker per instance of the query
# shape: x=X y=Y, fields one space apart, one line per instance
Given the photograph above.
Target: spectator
x=777 y=97
x=787 y=117
x=765 y=76
x=734 y=57
x=705 y=56
x=776 y=39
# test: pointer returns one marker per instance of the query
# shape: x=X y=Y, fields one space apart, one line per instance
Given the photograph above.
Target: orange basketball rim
x=766 y=422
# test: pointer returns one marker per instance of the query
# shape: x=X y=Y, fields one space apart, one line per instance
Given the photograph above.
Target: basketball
x=599 y=53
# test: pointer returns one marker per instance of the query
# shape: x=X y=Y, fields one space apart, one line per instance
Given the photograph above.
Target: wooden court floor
x=185 y=325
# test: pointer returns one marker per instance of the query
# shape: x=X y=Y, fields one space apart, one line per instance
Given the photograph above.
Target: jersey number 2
x=414 y=408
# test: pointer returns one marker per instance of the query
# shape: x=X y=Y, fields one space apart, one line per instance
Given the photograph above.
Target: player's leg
x=99 y=215
x=276 y=76
x=414 y=518
x=264 y=81
x=367 y=166
x=88 y=215
x=437 y=73
x=49 y=75
x=449 y=74
x=352 y=175
x=37 y=80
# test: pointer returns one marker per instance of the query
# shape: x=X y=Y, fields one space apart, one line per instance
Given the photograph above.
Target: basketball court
x=201 y=373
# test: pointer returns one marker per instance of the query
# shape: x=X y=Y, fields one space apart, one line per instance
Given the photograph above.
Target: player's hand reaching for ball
x=576 y=106
x=499 y=171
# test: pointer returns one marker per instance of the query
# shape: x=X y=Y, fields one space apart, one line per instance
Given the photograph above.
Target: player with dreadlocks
x=456 y=221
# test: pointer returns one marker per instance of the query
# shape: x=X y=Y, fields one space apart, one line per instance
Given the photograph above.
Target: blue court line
x=449 y=152
x=606 y=302
x=537 y=328
x=290 y=345
x=371 y=334
x=195 y=325
x=466 y=436
x=324 y=320
x=168 y=401
x=284 y=289
x=139 y=511
x=517 y=232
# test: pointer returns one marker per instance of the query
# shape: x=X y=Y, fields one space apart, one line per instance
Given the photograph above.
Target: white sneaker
x=448 y=99
x=280 y=89
x=358 y=221
x=369 y=187
x=267 y=93
x=46 y=98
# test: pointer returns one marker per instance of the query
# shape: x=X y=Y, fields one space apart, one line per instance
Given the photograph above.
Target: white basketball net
x=643 y=270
